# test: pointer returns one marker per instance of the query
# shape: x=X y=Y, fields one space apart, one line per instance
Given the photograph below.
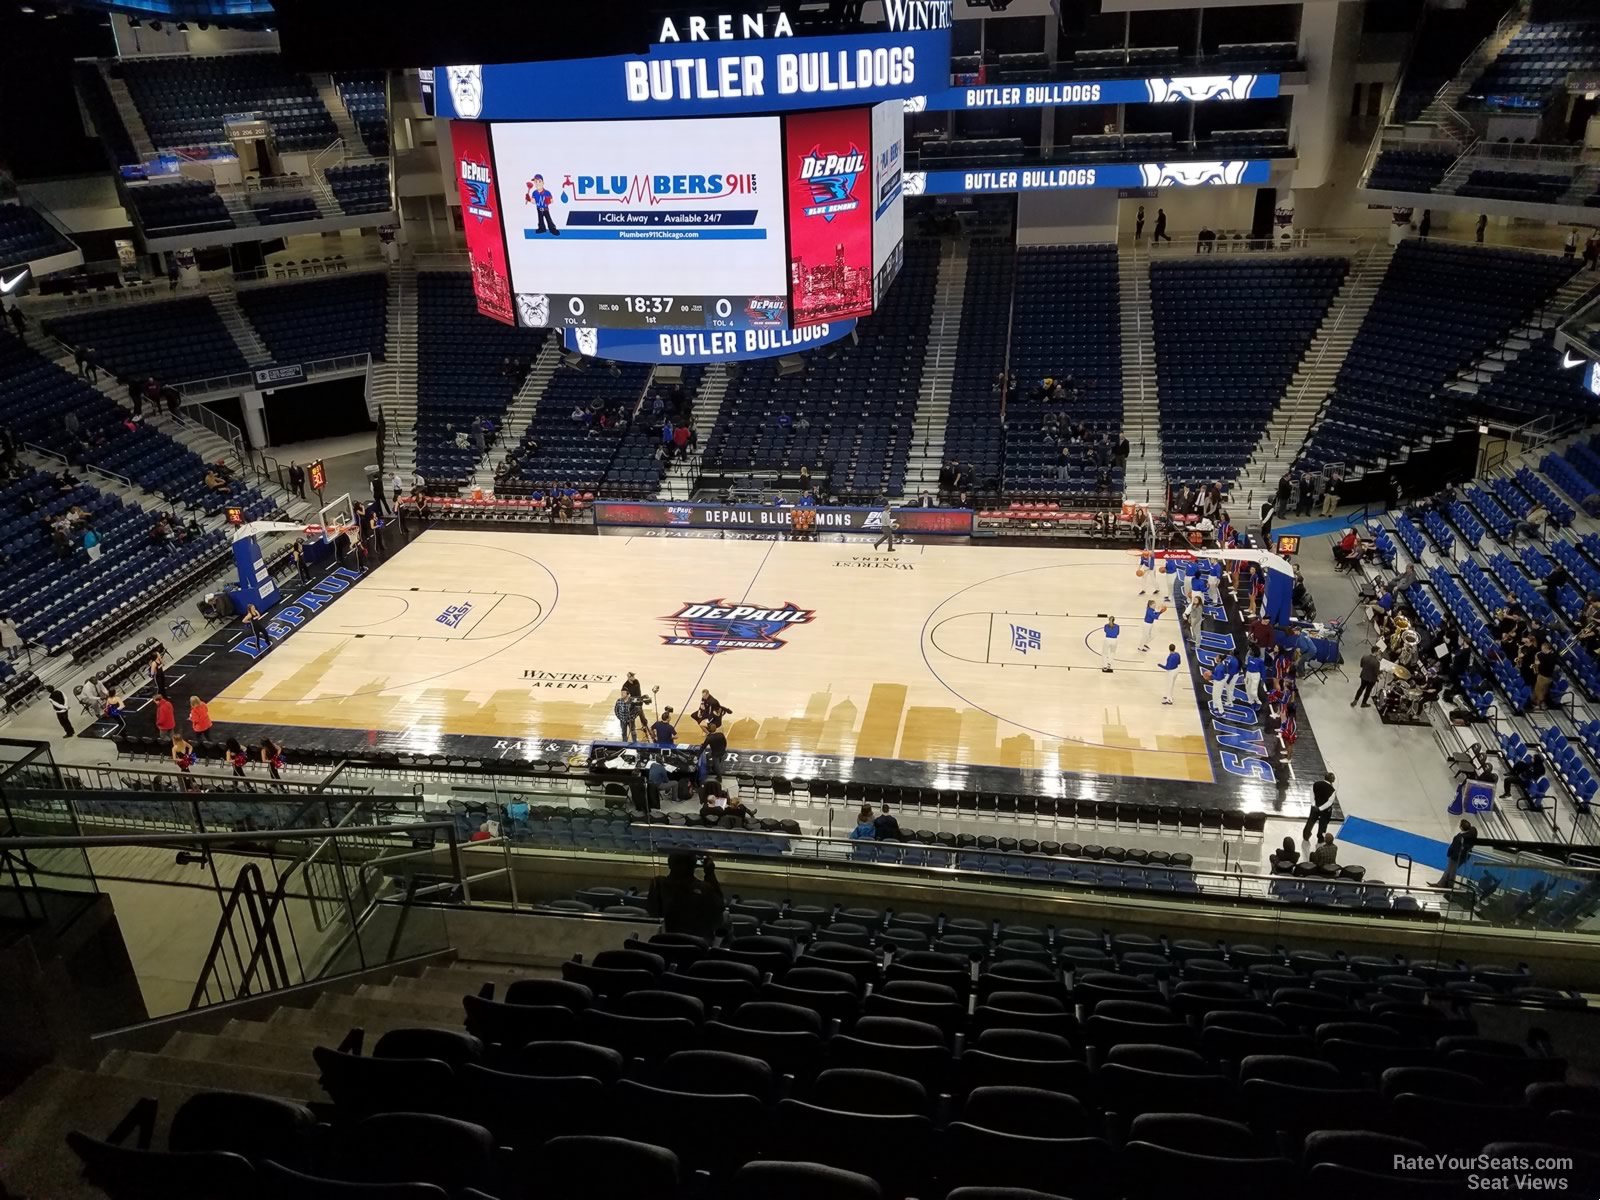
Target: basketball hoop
x=328 y=531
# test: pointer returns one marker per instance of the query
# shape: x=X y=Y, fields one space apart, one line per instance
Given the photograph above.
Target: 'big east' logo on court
x=716 y=626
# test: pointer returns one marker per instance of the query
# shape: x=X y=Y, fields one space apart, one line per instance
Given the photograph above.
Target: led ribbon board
x=701 y=346
x=1063 y=93
x=1231 y=173
x=703 y=79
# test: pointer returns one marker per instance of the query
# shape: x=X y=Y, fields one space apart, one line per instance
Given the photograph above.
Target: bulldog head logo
x=1192 y=174
x=1200 y=87
x=466 y=90
x=915 y=104
x=914 y=183
x=533 y=309
x=588 y=341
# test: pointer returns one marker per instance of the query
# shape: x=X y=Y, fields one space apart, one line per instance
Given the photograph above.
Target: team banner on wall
x=1159 y=90
x=1231 y=173
x=701 y=346
x=769 y=70
x=480 y=216
x=761 y=518
x=888 y=195
x=830 y=214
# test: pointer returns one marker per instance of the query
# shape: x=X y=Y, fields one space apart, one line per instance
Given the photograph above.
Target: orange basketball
x=1140 y=572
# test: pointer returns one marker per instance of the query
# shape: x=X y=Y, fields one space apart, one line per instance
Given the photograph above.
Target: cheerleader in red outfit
x=236 y=756
x=272 y=755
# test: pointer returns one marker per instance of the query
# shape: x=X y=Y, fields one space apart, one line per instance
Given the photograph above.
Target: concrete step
x=272 y=1056
x=36 y=1118
x=210 y=1075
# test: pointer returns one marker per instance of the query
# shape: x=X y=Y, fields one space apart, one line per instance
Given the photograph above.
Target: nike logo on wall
x=1569 y=360
x=7 y=285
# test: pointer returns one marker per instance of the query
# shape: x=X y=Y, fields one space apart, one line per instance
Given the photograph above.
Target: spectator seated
x=25 y=236
x=973 y=434
x=1067 y=326
x=468 y=368
x=1561 y=513
x=560 y=451
x=638 y=466
x=173 y=341
x=183 y=101
x=1439 y=307
x=303 y=322
x=849 y=416
x=361 y=187
x=181 y=206
x=1228 y=338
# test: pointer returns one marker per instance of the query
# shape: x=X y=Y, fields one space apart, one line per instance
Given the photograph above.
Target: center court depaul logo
x=716 y=626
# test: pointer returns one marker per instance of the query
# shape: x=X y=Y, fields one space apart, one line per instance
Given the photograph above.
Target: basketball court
x=939 y=654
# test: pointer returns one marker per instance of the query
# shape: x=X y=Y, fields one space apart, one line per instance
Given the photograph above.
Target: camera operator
x=684 y=903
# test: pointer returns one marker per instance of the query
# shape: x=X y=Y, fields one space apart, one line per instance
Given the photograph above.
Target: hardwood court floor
x=943 y=654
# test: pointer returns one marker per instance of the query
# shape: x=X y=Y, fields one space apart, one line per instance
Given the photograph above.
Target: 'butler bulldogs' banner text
x=480 y=216
x=1101 y=175
x=701 y=346
x=759 y=518
x=760 y=73
x=830 y=209
x=1193 y=88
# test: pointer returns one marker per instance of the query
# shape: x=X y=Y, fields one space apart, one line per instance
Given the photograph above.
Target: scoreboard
x=637 y=224
x=722 y=224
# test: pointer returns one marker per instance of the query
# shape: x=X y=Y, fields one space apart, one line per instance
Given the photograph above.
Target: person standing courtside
x=1370 y=668
x=888 y=529
x=58 y=705
x=1110 y=631
x=1171 y=664
x=1459 y=852
x=1322 y=798
x=623 y=709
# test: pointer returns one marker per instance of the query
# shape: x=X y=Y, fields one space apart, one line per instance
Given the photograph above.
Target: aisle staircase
x=1524 y=337
x=128 y=111
x=1144 y=480
x=938 y=372
x=334 y=103
x=226 y=302
x=519 y=414
x=270 y=1056
x=394 y=380
x=678 y=483
x=1313 y=380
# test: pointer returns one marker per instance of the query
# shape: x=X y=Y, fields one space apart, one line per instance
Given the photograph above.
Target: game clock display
x=640 y=311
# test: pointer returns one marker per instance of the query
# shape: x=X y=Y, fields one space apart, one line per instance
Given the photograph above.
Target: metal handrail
x=1338 y=324
x=257 y=836
x=248 y=893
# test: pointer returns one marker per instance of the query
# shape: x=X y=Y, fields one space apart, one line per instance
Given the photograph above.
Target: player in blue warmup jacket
x=1170 y=666
x=1108 y=648
x=1222 y=677
x=1152 y=614
x=1254 y=667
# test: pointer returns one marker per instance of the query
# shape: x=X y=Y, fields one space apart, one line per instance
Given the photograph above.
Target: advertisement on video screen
x=830 y=214
x=645 y=223
x=480 y=217
x=888 y=195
